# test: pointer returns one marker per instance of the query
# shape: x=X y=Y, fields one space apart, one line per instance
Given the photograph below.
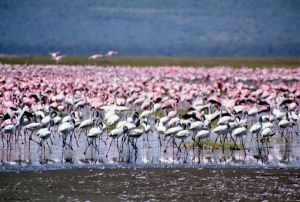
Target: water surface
x=152 y=184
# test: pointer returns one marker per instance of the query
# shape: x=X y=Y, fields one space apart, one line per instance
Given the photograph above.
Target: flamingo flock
x=182 y=108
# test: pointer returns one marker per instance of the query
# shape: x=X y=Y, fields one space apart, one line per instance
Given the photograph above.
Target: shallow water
x=152 y=184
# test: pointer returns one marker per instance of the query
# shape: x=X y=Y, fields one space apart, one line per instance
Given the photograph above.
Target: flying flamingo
x=58 y=58
x=96 y=56
x=54 y=54
x=111 y=53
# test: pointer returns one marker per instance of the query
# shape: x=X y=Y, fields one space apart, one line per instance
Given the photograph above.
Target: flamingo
x=58 y=58
x=54 y=54
x=115 y=134
x=65 y=129
x=182 y=135
x=171 y=132
x=111 y=53
x=96 y=56
x=221 y=132
x=44 y=134
x=239 y=133
x=9 y=131
x=93 y=134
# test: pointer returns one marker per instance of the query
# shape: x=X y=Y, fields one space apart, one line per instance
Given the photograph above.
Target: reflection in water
x=272 y=153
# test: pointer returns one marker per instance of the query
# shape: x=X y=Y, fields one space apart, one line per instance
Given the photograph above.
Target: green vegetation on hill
x=162 y=61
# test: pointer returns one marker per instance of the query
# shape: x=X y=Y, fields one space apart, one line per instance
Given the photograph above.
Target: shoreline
x=72 y=167
x=236 y=62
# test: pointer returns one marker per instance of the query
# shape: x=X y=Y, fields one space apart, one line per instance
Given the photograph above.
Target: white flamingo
x=96 y=56
x=58 y=58
x=54 y=54
x=111 y=53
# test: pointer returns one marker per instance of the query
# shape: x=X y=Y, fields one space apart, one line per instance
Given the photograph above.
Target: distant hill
x=149 y=27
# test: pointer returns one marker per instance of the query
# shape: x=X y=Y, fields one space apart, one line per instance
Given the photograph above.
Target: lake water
x=152 y=184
